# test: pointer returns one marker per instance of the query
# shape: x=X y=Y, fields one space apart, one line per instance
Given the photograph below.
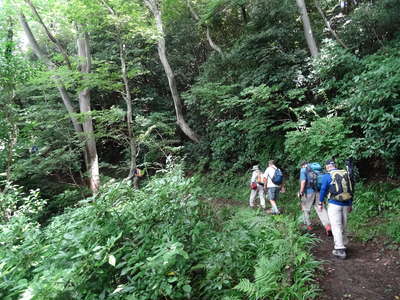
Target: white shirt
x=269 y=173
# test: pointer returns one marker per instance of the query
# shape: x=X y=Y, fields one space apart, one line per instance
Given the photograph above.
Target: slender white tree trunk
x=129 y=120
x=51 y=66
x=128 y=100
x=312 y=45
x=84 y=105
x=90 y=152
x=153 y=6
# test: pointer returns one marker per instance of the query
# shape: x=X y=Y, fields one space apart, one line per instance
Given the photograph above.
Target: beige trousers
x=338 y=217
x=260 y=192
x=307 y=202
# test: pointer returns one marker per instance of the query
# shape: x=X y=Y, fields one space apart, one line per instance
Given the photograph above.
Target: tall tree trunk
x=129 y=121
x=51 y=66
x=9 y=113
x=195 y=16
x=84 y=105
x=312 y=45
x=90 y=153
x=328 y=25
x=128 y=101
x=153 y=6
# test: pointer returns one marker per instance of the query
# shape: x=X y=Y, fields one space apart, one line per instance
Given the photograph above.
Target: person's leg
x=306 y=203
x=273 y=196
x=336 y=218
x=322 y=215
x=344 y=221
x=253 y=195
x=261 y=195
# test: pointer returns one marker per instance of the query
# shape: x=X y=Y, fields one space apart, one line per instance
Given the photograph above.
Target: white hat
x=255 y=168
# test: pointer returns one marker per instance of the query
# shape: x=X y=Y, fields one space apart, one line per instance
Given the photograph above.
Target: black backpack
x=314 y=176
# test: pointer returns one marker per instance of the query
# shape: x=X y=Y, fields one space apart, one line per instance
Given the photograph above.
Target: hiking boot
x=339 y=253
x=328 y=230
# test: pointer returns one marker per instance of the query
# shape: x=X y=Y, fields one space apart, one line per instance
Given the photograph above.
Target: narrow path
x=371 y=271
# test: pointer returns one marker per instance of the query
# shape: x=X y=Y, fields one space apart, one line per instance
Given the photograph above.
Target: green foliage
x=326 y=138
x=332 y=69
x=376 y=210
x=161 y=241
x=371 y=25
x=250 y=115
x=20 y=238
x=15 y=203
x=374 y=107
x=283 y=271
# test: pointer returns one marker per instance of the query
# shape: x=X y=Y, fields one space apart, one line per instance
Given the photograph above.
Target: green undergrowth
x=376 y=212
x=164 y=241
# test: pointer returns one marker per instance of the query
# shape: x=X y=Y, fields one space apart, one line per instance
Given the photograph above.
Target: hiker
x=337 y=185
x=310 y=180
x=257 y=186
x=274 y=180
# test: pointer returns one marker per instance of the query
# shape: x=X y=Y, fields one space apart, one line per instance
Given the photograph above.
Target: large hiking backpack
x=341 y=188
x=278 y=177
x=314 y=176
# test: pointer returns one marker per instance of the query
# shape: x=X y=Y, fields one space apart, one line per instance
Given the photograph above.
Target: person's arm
x=303 y=180
x=326 y=181
x=266 y=178
x=253 y=177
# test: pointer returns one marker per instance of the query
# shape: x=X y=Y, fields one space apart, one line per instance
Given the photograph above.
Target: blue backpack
x=278 y=177
x=314 y=176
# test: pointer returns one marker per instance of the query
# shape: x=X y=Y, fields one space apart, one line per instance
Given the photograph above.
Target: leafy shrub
x=373 y=105
x=326 y=138
x=376 y=210
x=20 y=238
x=158 y=242
x=14 y=203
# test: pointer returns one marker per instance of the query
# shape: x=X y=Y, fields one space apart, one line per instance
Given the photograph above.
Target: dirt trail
x=371 y=271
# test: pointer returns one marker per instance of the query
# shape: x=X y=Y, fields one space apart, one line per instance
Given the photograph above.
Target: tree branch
x=209 y=39
x=43 y=56
x=328 y=25
x=49 y=34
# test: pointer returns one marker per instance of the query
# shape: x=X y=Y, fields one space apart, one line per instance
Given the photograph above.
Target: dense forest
x=128 y=130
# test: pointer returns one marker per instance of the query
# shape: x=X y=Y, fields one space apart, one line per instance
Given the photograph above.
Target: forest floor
x=371 y=270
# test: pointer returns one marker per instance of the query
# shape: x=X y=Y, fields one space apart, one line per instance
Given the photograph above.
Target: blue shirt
x=326 y=182
x=303 y=176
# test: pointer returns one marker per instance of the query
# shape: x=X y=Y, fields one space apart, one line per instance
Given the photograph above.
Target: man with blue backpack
x=338 y=186
x=310 y=184
x=274 y=180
